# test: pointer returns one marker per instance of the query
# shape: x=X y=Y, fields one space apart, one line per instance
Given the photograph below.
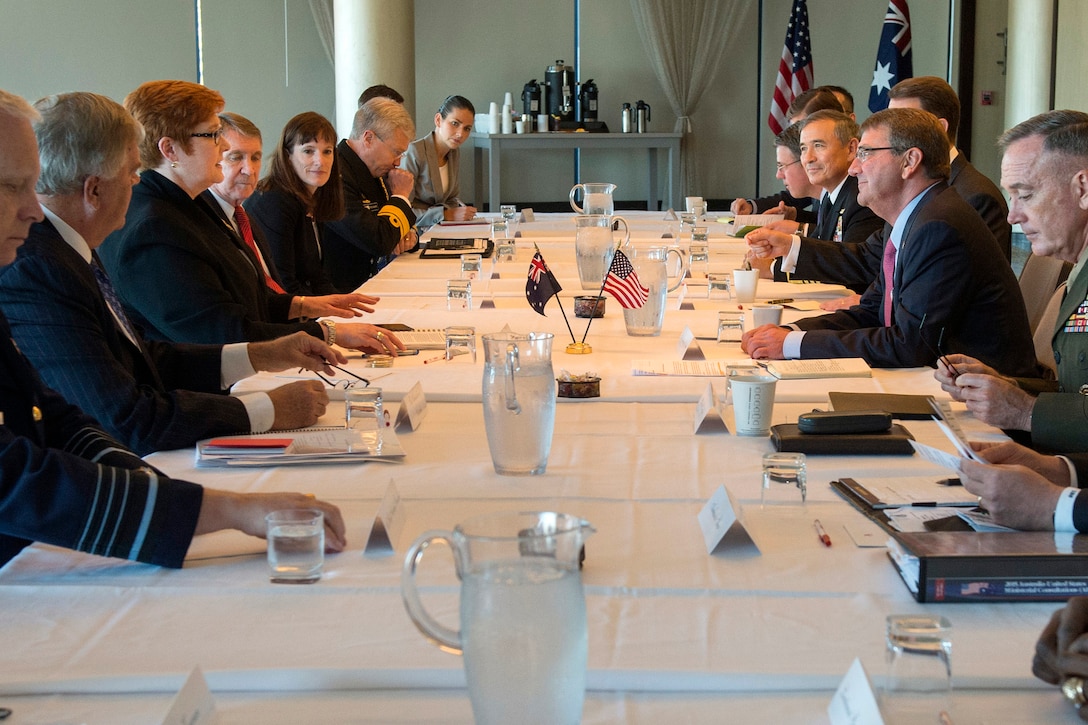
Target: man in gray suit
x=65 y=316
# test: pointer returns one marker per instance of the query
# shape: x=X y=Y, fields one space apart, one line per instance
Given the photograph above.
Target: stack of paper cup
x=507 y=119
x=493 y=126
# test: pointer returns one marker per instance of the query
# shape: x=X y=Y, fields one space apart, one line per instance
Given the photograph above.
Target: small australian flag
x=541 y=285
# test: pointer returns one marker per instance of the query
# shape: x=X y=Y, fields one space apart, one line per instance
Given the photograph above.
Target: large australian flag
x=893 y=55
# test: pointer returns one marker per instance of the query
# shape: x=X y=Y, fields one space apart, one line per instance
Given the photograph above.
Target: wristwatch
x=331 y=327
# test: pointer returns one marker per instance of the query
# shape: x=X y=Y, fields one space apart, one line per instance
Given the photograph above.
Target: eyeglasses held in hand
x=939 y=352
x=342 y=384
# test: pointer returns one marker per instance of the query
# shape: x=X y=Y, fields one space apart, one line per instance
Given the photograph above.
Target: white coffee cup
x=766 y=315
x=691 y=203
x=744 y=284
x=753 y=403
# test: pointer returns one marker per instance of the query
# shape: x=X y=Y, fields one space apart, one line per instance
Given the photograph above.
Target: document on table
x=681 y=368
x=335 y=445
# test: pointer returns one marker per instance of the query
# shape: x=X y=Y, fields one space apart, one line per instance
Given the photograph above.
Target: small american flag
x=622 y=283
x=795 y=69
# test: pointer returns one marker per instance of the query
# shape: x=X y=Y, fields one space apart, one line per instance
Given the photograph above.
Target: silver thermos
x=642 y=116
x=627 y=118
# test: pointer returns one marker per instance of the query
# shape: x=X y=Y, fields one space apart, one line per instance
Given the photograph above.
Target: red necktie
x=889 y=275
x=242 y=220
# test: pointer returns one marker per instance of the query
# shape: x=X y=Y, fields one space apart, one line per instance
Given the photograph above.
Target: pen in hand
x=820 y=533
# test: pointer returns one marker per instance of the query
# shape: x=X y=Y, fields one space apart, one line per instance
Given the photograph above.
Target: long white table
x=675 y=634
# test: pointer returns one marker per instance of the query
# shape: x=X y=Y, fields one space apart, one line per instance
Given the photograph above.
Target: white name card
x=854 y=703
x=708 y=415
x=194 y=704
x=413 y=408
x=687 y=348
x=722 y=529
x=388 y=524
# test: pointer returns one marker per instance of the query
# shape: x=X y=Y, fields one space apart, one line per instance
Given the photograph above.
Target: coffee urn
x=642 y=116
x=530 y=99
x=587 y=102
x=559 y=82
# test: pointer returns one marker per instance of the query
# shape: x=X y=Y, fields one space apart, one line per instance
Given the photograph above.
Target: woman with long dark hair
x=434 y=160
x=294 y=201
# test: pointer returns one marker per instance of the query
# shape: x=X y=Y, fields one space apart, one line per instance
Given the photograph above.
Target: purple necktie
x=889 y=275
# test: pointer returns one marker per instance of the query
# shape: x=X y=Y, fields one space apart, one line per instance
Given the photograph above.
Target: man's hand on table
x=297 y=350
x=1062 y=649
x=298 y=404
x=1014 y=495
x=246 y=511
x=353 y=304
x=990 y=396
x=369 y=338
x=765 y=342
x=742 y=207
x=840 y=303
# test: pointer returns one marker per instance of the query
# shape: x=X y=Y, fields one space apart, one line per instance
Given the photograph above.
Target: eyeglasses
x=342 y=384
x=396 y=154
x=864 y=152
x=780 y=167
x=213 y=135
x=939 y=352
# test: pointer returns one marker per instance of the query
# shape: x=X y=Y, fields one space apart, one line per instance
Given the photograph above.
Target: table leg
x=478 y=181
x=651 y=194
x=494 y=176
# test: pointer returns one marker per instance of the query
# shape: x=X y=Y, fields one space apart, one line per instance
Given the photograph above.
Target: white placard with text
x=388 y=524
x=413 y=408
x=721 y=525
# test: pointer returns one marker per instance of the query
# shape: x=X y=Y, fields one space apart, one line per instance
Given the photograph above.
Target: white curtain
x=685 y=40
x=322 y=10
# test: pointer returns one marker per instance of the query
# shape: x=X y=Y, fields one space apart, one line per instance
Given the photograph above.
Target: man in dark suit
x=242 y=156
x=852 y=264
x=65 y=482
x=379 y=218
x=150 y=395
x=941 y=276
x=828 y=143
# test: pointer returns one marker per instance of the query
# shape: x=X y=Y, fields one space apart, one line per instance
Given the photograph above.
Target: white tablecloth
x=675 y=634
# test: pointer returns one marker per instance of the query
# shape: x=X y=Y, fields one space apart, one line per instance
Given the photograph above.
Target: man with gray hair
x=379 y=220
x=1045 y=171
x=63 y=480
x=67 y=320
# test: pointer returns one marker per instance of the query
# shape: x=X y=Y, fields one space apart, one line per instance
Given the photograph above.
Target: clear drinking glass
x=296 y=546
x=730 y=325
x=472 y=266
x=460 y=340
x=718 y=285
x=784 y=478
x=918 y=687
x=459 y=294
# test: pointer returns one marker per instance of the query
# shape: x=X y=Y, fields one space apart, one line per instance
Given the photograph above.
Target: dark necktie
x=242 y=220
x=114 y=302
x=823 y=217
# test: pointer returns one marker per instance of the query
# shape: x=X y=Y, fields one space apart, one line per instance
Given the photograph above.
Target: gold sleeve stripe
x=396 y=217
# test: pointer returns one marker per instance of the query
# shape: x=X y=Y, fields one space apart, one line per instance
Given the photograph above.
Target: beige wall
x=1070 y=90
x=480 y=49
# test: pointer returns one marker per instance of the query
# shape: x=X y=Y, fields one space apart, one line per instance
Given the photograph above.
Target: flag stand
x=579 y=348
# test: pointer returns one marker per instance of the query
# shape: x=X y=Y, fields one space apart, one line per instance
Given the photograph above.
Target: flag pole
x=600 y=293
x=559 y=302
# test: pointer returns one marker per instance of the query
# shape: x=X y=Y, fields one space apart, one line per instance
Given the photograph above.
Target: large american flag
x=893 y=55
x=795 y=68
x=622 y=282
